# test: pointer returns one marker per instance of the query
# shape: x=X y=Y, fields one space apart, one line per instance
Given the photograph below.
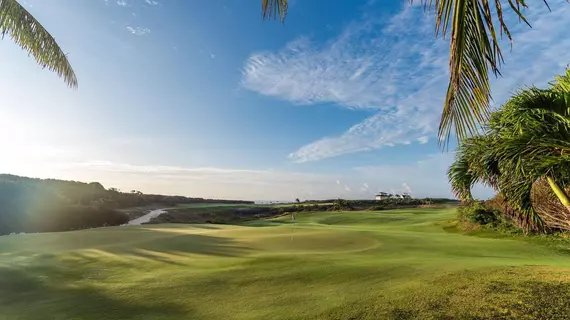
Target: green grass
x=400 y=264
x=214 y=205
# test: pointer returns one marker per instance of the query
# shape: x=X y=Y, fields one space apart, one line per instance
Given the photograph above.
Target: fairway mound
x=317 y=242
x=369 y=218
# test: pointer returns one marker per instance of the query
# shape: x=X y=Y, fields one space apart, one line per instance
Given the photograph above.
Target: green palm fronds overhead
x=274 y=9
x=28 y=33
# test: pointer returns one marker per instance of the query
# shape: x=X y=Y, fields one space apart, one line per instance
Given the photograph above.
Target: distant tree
x=341 y=204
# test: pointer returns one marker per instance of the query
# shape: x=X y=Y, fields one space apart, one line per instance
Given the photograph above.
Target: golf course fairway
x=399 y=264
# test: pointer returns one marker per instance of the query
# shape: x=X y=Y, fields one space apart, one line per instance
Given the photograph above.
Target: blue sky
x=202 y=98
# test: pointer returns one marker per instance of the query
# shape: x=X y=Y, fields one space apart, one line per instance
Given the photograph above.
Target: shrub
x=477 y=212
x=341 y=205
x=489 y=215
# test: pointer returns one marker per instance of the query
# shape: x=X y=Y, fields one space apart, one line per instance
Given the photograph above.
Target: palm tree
x=31 y=36
x=474 y=53
x=525 y=143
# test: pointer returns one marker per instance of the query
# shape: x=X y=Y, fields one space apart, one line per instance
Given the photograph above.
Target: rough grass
x=401 y=264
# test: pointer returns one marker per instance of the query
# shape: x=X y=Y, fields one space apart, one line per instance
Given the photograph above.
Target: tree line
x=43 y=205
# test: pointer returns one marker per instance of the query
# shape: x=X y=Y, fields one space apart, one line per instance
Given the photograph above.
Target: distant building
x=383 y=196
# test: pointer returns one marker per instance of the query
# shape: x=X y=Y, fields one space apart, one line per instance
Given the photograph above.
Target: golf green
x=400 y=264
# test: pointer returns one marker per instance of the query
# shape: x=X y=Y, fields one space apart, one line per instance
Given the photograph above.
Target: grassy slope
x=397 y=264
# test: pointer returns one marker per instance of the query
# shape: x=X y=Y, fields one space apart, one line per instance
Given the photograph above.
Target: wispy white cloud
x=139 y=31
x=423 y=140
x=426 y=178
x=134 y=3
x=407 y=188
x=365 y=188
x=397 y=68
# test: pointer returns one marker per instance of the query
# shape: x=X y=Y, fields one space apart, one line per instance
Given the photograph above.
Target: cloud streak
x=139 y=31
x=397 y=69
x=426 y=178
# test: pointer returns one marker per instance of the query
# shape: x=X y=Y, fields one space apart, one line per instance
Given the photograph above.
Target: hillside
x=397 y=264
x=39 y=205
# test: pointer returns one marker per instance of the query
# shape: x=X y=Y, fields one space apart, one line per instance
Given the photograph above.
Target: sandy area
x=146 y=218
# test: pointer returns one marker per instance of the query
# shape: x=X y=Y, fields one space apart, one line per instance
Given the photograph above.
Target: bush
x=488 y=215
x=341 y=205
x=477 y=212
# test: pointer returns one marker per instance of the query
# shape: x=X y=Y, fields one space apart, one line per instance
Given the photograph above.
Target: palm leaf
x=524 y=142
x=273 y=9
x=474 y=163
x=29 y=34
x=461 y=178
x=474 y=49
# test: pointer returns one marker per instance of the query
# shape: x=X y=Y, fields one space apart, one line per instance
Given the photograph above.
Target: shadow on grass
x=266 y=223
x=175 y=247
x=364 y=219
x=208 y=226
x=427 y=211
x=48 y=292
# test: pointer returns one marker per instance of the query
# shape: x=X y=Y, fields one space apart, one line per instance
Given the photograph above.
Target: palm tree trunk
x=559 y=192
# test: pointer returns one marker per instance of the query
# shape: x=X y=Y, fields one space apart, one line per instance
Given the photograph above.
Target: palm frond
x=534 y=113
x=527 y=140
x=561 y=82
x=475 y=52
x=29 y=34
x=554 y=100
x=273 y=9
x=474 y=163
x=518 y=195
x=460 y=178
